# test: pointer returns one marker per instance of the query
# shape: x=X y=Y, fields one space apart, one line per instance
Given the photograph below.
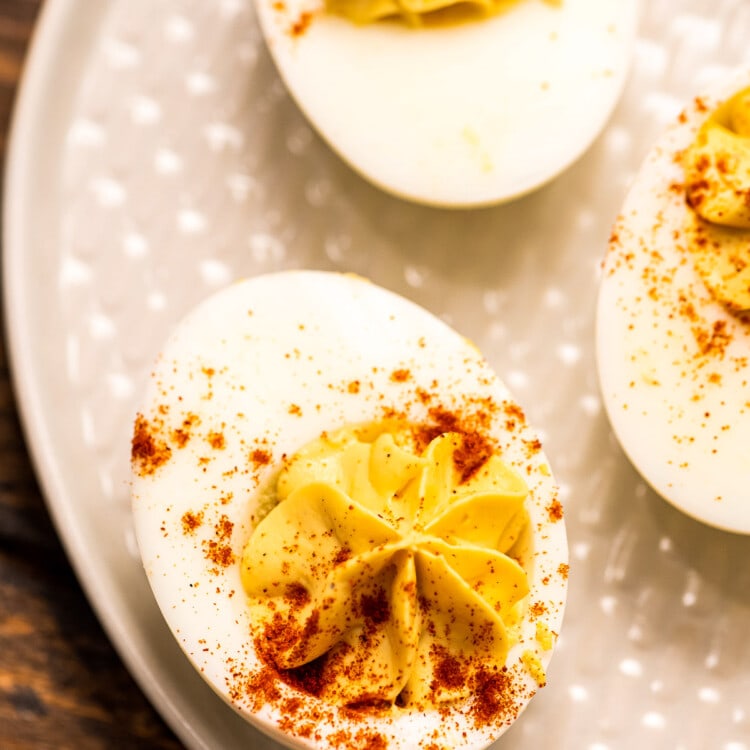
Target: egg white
x=682 y=418
x=266 y=363
x=457 y=115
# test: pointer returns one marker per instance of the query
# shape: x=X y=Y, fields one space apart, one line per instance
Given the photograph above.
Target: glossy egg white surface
x=266 y=363
x=459 y=114
x=680 y=408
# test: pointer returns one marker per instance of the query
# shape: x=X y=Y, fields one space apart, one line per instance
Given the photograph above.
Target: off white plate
x=156 y=156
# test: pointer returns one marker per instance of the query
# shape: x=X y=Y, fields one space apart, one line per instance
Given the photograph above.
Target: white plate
x=164 y=159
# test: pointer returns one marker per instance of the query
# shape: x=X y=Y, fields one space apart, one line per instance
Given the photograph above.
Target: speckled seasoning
x=674 y=359
x=261 y=386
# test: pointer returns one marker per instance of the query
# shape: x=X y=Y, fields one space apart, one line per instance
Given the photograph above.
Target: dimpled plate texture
x=164 y=159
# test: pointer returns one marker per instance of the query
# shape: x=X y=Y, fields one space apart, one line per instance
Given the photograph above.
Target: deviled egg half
x=673 y=321
x=454 y=103
x=345 y=519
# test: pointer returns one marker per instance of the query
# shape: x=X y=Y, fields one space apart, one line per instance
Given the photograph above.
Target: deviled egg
x=673 y=333
x=345 y=519
x=454 y=103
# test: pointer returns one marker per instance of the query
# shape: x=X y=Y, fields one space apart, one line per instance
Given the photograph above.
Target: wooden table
x=61 y=683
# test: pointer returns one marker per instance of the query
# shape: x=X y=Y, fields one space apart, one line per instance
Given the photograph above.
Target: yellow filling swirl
x=416 y=11
x=387 y=574
x=717 y=184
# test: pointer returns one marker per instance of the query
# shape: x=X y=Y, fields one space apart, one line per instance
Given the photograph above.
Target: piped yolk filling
x=420 y=12
x=387 y=574
x=717 y=184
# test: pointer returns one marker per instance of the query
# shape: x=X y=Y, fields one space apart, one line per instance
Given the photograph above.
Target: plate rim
x=22 y=169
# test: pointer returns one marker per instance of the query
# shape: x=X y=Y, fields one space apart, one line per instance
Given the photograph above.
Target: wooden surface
x=61 y=683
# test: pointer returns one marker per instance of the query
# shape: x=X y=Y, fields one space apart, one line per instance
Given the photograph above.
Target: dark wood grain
x=61 y=683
